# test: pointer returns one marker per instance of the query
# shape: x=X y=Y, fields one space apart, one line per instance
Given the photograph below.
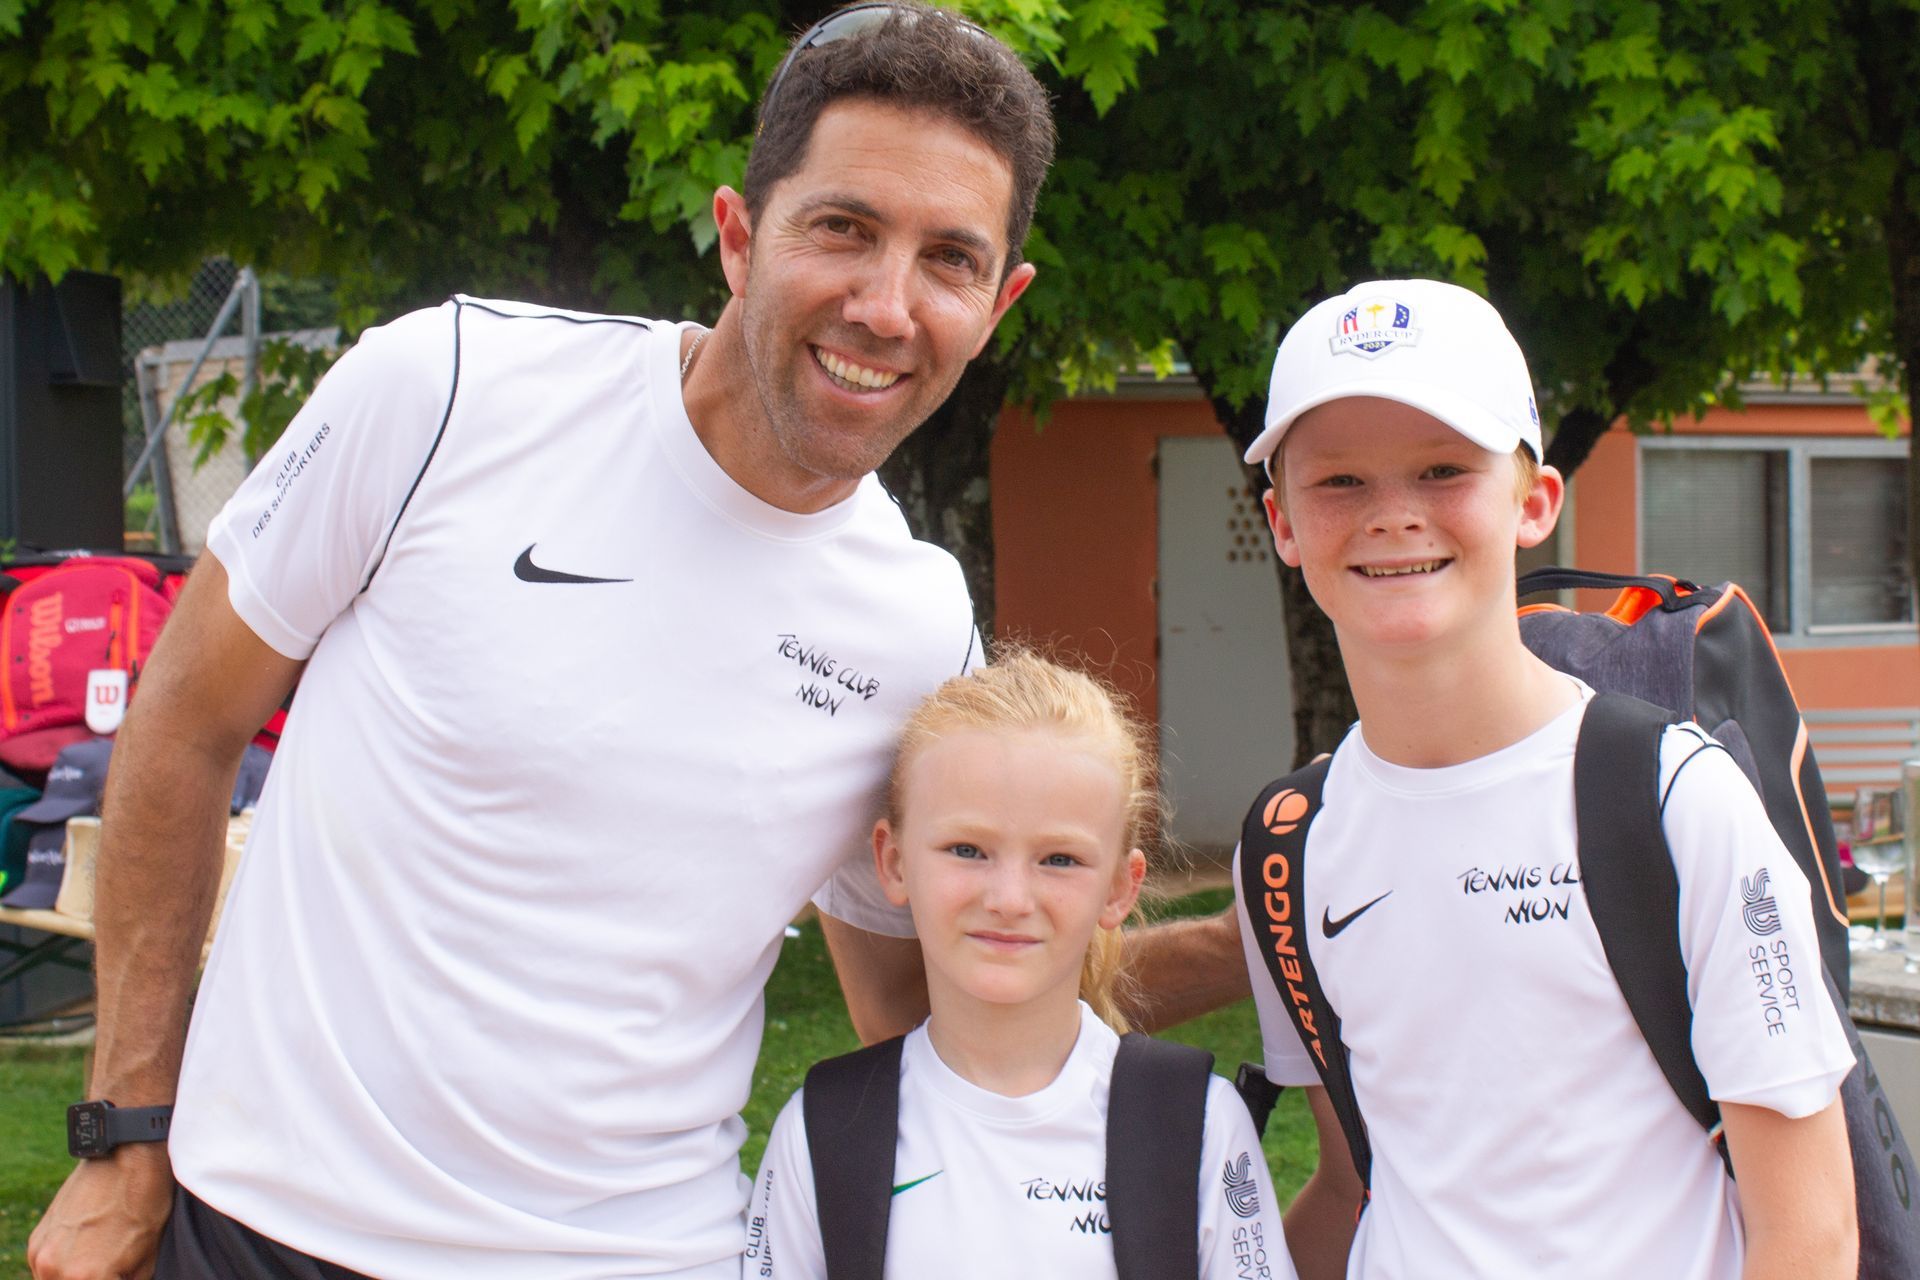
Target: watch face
x=87 y=1130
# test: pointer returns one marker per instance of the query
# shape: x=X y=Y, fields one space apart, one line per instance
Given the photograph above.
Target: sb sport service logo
x=1375 y=326
x=1758 y=908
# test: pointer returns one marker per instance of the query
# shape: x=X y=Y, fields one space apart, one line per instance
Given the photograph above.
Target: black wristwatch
x=94 y=1129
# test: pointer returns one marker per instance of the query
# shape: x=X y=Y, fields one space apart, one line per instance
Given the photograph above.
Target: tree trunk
x=1902 y=229
x=938 y=475
x=1903 y=259
x=1885 y=36
x=1574 y=438
x=1323 y=707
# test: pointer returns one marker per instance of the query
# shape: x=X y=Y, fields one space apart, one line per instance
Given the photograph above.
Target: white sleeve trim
x=252 y=608
x=875 y=914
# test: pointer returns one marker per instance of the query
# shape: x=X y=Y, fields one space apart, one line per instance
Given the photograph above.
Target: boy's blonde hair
x=1526 y=470
x=1023 y=690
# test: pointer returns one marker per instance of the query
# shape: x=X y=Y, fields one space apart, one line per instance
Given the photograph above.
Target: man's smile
x=852 y=376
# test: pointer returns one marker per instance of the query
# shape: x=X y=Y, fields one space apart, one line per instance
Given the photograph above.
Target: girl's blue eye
x=1060 y=860
x=965 y=850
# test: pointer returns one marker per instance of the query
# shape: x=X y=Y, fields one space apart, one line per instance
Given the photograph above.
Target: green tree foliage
x=1649 y=192
x=406 y=148
x=1659 y=197
x=559 y=151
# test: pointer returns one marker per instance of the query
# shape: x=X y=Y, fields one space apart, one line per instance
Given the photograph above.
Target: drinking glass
x=1880 y=858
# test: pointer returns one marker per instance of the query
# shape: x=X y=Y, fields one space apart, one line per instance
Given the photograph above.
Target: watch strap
x=138 y=1124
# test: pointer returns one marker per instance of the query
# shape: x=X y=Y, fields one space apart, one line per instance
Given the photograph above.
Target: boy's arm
x=1321 y=1221
x=1796 y=1192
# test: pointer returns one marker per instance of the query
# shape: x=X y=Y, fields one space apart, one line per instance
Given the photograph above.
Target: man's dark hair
x=920 y=58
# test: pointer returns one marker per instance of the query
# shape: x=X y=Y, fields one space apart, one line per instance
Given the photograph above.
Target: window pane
x=1859 y=566
x=1718 y=515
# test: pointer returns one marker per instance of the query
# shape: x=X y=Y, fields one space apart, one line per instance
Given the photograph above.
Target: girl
x=1018 y=802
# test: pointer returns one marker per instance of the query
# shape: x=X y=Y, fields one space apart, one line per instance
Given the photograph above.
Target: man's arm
x=1321 y=1220
x=1180 y=969
x=209 y=686
x=1796 y=1192
x=883 y=979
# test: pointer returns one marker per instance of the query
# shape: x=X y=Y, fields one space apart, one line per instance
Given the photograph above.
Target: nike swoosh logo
x=908 y=1186
x=527 y=571
x=1331 y=928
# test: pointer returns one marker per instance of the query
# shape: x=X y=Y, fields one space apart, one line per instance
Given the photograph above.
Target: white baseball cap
x=1435 y=346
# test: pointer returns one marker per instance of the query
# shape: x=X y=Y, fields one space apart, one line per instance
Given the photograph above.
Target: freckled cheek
x=1317 y=535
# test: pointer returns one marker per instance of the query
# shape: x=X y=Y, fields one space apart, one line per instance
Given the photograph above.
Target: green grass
x=36 y=1084
x=806 y=1021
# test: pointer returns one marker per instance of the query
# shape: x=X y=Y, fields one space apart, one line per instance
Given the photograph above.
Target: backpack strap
x=1273 y=848
x=1631 y=886
x=1156 y=1125
x=1673 y=592
x=851 y=1105
x=1258 y=1093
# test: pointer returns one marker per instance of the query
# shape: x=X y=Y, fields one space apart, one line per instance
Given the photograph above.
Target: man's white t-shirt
x=583 y=725
x=986 y=1185
x=1518 y=1121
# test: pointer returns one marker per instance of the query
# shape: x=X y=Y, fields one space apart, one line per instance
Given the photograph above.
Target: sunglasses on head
x=844 y=24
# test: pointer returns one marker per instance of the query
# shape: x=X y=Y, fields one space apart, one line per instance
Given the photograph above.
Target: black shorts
x=201 y=1243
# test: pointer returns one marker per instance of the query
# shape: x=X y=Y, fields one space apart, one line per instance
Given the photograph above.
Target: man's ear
x=1284 y=544
x=736 y=237
x=1127 y=878
x=1010 y=289
x=1540 y=509
x=886 y=861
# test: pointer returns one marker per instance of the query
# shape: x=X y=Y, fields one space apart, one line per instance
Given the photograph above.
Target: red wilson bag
x=85 y=614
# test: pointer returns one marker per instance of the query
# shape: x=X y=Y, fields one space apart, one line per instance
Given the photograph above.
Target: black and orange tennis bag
x=1666 y=650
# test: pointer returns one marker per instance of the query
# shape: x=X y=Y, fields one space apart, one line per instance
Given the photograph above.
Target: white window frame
x=1800 y=452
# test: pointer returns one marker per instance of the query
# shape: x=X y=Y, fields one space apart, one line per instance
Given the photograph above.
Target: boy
x=1519 y=1125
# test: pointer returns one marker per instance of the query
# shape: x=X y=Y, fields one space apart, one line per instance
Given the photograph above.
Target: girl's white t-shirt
x=986 y=1185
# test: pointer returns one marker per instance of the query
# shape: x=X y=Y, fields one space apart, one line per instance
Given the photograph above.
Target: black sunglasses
x=844 y=24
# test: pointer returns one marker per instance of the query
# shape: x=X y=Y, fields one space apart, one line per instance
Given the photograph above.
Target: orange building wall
x=1076 y=524
x=1605 y=490
x=1076 y=521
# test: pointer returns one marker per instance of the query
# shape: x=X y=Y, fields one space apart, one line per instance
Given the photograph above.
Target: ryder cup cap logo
x=1378 y=324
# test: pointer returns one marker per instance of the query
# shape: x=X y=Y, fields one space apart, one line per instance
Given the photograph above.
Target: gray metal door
x=1226 y=713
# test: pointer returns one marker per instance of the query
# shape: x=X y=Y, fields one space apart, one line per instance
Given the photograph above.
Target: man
x=606 y=630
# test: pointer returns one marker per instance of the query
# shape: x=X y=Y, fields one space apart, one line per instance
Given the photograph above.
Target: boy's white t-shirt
x=1518 y=1121
x=487 y=993
x=986 y=1185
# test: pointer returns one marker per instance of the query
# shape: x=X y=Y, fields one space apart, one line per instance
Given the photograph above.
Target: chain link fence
x=158 y=342
x=212 y=332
